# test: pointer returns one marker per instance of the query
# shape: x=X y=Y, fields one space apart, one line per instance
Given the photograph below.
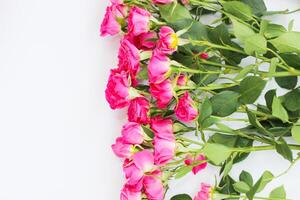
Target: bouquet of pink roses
x=181 y=70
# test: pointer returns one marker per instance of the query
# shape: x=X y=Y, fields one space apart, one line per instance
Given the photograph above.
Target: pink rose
x=110 y=25
x=205 y=192
x=162 y=128
x=168 y=40
x=129 y=59
x=185 y=2
x=138 y=110
x=186 y=110
x=162 y=1
x=159 y=67
x=133 y=133
x=128 y=194
x=133 y=174
x=117 y=89
x=116 y=1
x=122 y=149
x=162 y=92
x=190 y=160
x=154 y=188
x=164 y=140
x=138 y=21
x=144 y=41
x=182 y=80
x=204 y=56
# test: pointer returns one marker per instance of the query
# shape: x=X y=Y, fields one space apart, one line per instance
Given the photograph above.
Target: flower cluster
x=176 y=75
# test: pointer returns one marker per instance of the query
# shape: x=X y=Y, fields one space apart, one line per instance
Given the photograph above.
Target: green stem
x=209 y=87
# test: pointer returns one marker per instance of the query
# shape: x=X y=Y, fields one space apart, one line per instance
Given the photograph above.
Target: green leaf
x=288 y=82
x=173 y=12
x=283 y=149
x=278 y=193
x=296 y=132
x=254 y=121
x=241 y=187
x=246 y=177
x=244 y=72
x=148 y=131
x=209 y=122
x=260 y=184
x=228 y=166
x=181 y=197
x=258 y=6
x=279 y=111
x=238 y=9
x=291 y=100
x=205 y=110
x=287 y=42
x=255 y=44
x=241 y=31
x=250 y=91
x=269 y=98
x=184 y=170
x=273 y=31
x=216 y=153
x=224 y=103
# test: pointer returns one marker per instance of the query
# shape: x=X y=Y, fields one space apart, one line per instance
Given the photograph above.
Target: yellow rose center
x=174 y=41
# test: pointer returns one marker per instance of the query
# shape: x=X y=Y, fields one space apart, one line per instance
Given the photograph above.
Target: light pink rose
x=133 y=174
x=138 y=21
x=117 y=89
x=168 y=40
x=138 y=110
x=122 y=149
x=182 y=80
x=164 y=150
x=205 y=192
x=154 y=188
x=162 y=1
x=132 y=133
x=186 y=110
x=162 y=128
x=162 y=92
x=128 y=194
x=159 y=67
x=129 y=59
x=110 y=25
x=190 y=160
x=116 y=1
x=143 y=41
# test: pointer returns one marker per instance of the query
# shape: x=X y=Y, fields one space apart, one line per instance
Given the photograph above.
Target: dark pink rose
x=168 y=40
x=138 y=110
x=158 y=67
x=190 y=160
x=162 y=92
x=138 y=21
x=186 y=110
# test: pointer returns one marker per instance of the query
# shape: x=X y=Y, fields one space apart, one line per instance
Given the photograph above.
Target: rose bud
x=129 y=59
x=162 y=1
x=117 y=90
x=182 y=80
x=168 y=40
x=186 y=109
x=138 y=110
x=162 y=92
x=144 y=41
x=159 y=67
x=138 y=21
x=122 y=149
x=199 y=167
x=204 y=56
x=133 y=133
x=206 y=192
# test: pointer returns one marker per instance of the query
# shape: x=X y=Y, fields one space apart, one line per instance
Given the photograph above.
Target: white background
x=55 y=125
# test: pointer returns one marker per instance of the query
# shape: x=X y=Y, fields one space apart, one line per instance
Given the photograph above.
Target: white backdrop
x=55 y=125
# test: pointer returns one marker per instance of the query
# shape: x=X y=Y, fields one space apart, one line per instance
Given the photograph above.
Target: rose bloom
x=122 y=149
x=129 y=59
x=168 y=40
x=128 y=194
x=182 y=80
x=110 y=25
x=143 y=41
x=162 y=1
x=154 y=188
x=190 y=160
x=159 y=67
x=116 y=1
x=138 y=110
x=162 y=92
x=164 y=140
x=138 y=21
x=117 y=89
x=186 y=110
x=133 y=133
x=205 y=193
